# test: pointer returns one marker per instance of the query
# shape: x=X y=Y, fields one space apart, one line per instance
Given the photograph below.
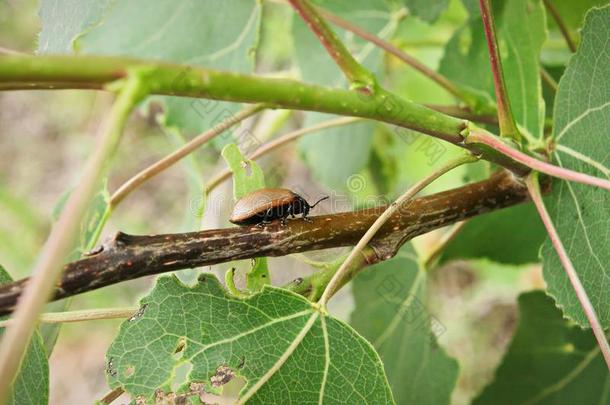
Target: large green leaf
x=550 y=361
x=288 y=351
x=521 y=28
x=391 y=312
x=31 y=385
x=511 y=236
x=582 y=213
x=351 y=145
x=208 y=33
x=64 y=20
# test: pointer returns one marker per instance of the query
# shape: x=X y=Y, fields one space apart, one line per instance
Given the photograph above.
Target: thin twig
x=358 y=76
x=534 y=191
x=393 y=50
x=496 y=143
x=60 y=242
x=79 y=316
x=561 y=24
x=508 y=127
x=279 y=142
x=159 y=166
x=548 y=79
x=397 y=205
x=294 y=135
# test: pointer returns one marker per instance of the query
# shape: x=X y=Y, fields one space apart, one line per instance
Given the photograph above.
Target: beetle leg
x=268 y=215
x=305 y=214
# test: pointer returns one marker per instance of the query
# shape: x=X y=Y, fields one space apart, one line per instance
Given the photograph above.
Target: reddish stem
x=505 y=116
x=566 y=174
x=352 y=69
x=534 y=190
x=397 y=52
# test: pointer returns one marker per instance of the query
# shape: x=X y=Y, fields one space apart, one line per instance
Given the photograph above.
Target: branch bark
x=127 y=257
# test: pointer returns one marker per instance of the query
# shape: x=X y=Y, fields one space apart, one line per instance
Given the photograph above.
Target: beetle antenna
x=321 y=199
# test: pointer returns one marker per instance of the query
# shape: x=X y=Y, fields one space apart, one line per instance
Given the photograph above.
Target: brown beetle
x=267 y=204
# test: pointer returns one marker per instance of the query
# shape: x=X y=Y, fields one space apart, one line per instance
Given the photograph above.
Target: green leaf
x=549 y=361
x=247 y=174
x=247 y=177
x=391 y=312
x=31 y=385
x=199 y=32
x=427 y=10
x=351 y=145
x=512 y=236
x=521 y=28
x=64 y=20
x=286 y=349
x=338 y=153
x=581 y=213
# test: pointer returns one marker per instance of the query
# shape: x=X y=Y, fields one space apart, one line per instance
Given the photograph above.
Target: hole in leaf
x=181 y=375
x=247 y=169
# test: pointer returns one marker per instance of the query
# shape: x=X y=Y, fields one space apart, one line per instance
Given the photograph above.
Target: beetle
x=267 y=204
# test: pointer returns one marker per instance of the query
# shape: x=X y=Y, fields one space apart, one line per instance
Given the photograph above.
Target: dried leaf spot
x=179 y=350
x=129 y=371
x=223 y=375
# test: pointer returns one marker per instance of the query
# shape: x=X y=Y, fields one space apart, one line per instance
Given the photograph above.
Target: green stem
x=51 y=72
x=399 y=204
x=548 y=79
x=508 y=127
x=359 y=77
x=63 y=236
